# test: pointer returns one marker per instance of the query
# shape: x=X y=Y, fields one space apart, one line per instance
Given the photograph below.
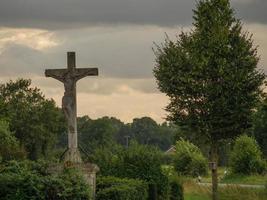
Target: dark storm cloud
x=58 y=14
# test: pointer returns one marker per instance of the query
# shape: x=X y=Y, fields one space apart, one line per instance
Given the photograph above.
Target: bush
x=143 y=162
x=176 y=189
x=111 y=188
x=188 y=159
x=28 y=180
x=246 y=157
x=137 y=162
x=9 y=145
x=106 y=159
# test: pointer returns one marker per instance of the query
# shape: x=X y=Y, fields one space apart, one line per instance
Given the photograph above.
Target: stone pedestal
x=89 y=170
x=72 y=155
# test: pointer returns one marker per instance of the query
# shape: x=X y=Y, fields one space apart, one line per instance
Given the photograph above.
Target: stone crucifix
x=69 y=77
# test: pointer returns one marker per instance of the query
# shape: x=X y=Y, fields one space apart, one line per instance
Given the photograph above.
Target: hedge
x=112 y=188
x=29 y=181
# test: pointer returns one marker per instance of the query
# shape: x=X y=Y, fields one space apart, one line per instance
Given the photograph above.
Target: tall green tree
x=146 y=131
x=260 y=126
x=97 y=133
x=35 y=120
x=210 y=75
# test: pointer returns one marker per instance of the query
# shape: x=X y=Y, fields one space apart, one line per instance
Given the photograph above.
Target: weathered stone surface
x=69 y=77
x=88 y=170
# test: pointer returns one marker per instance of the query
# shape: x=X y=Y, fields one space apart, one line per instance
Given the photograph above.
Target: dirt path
x=234 y=185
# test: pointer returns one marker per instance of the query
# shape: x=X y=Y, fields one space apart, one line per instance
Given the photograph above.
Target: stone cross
x=69 y=77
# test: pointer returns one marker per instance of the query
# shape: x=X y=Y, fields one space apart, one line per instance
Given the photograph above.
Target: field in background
x=236 y=179
x=196 y=192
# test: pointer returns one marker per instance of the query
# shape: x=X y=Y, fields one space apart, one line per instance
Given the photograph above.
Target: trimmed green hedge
x=31 y=181
x=112 y=188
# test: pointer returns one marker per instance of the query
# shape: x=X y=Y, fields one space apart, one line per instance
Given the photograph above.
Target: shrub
x=29 y=180
x=106 y=159
x=176 y=189
x=246 y=157
x=143 y=162
x=111 y=188
x=188 y=159
x=137 y=162
x=9 y=145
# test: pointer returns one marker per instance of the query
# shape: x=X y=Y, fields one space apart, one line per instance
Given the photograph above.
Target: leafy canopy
x=210 y=73
x=260 y=126
x=35 y=120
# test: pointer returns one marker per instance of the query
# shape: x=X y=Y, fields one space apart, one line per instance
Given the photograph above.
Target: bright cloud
x=33 y=38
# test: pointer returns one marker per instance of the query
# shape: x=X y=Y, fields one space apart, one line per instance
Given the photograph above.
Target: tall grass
x=196 y=192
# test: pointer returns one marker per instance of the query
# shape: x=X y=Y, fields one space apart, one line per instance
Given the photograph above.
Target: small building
x=171 y=150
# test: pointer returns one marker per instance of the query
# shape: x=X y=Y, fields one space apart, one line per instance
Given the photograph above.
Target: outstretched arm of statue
x=83 y=72
x=58 y=74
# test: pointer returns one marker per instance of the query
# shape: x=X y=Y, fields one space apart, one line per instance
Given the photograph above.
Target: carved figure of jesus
x=69 y=77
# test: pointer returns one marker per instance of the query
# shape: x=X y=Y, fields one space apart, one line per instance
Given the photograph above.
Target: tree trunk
x=213 y=166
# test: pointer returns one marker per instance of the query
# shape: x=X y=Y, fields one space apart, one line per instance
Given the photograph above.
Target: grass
x=195 y=192
x=242 y=179
x=196 y=197
x=236 y=179
x=192 y=191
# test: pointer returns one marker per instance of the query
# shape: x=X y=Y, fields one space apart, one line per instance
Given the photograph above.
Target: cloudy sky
x=114 y=35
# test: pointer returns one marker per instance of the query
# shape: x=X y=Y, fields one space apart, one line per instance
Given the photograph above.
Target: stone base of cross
x=72 y=155
x=69 y=77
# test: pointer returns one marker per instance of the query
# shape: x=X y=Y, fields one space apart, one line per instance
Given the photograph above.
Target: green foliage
x=146 y=131
x=111 y=188
x=210 y=73
x=9 y=145
x=69 y=185
x=107 y=131
x=99 y=132
x=35 y=121
x=31 y=181
x=189 y=160
x=107 y=159
x=195 y=192
x=137 y=162
x=140 y=161
x=254 y=179
x=260 y=126
x=176 y=189
x=143 y=162
x=210 y=76
x=246 y=157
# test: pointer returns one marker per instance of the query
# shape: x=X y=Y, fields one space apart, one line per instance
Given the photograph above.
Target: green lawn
x=192 y=191
x=237 y=179
x=241 y=179
x=196 y=197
